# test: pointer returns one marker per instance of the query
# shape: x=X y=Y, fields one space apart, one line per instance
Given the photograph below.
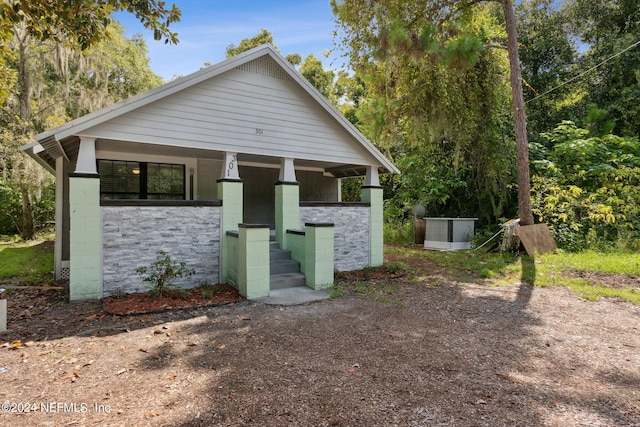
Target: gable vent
x=264 y=66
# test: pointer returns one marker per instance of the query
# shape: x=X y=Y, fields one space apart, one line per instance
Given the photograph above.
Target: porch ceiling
x=336 y=169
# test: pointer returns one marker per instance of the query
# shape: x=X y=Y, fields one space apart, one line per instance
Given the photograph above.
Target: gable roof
x=48 y=145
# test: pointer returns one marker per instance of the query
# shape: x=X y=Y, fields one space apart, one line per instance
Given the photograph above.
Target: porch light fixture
x=135 y=171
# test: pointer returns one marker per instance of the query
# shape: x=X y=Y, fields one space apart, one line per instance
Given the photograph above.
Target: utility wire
x=585 y=72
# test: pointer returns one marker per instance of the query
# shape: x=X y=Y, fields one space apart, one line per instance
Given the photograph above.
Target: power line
x=585 y=72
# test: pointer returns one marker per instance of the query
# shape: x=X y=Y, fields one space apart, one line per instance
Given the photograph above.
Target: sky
x=206 y=28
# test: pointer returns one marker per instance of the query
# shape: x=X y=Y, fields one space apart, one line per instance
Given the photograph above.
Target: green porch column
x=373 y=196
x=85 y=275
x=319 y=255
x=372 y=193
x=230 y=192
x=253 y=260
x=287 y=201
x=287 y=210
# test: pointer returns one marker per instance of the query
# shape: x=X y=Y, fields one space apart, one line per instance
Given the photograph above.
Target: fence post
x=3 y=311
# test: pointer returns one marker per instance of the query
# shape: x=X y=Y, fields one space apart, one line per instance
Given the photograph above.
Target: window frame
x=142 y=192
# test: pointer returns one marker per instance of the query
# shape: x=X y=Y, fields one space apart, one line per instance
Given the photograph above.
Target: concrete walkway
x=294 y=296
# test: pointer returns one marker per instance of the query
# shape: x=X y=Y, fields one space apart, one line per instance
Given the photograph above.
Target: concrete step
x=286 y=280
x=284 y=266
x=279 y=254
x=274 y=245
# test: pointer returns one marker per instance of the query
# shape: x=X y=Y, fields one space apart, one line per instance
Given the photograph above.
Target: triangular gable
x=255 y=101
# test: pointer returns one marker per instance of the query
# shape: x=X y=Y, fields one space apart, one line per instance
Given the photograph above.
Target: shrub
x=162 y=273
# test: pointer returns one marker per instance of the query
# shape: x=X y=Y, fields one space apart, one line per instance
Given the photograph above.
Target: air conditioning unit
x=449 y=234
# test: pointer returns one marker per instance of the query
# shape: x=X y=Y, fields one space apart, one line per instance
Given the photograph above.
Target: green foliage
x=548 y=55
x=162 y=273
x=10 y=210
x=83 y=24
x=58 y=84
x=31 y=263
x=209 y=289
x=465 y=266
x=264 y=36
x=397 y=231
x=555 y=270
x=587 y=187
x=435 y=103
x=396 y=267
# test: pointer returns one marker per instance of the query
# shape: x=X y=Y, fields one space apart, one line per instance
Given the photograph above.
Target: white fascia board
x=32 y=150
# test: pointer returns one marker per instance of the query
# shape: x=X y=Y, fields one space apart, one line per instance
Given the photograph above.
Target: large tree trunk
x=520 y=118
x=28 y=231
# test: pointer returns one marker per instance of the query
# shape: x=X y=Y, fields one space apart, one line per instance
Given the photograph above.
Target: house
x=207 y=168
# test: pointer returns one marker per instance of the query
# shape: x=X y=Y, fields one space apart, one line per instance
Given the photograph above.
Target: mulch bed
x=145 y=303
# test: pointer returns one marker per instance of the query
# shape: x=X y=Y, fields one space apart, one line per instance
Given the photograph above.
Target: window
x=141 y=180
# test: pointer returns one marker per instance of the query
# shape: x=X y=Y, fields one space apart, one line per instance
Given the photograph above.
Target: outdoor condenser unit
x=449 y=234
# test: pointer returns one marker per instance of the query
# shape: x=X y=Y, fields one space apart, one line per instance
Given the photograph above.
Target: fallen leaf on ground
x=150 y=414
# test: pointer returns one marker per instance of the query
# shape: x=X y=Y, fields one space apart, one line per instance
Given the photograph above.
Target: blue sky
x=208 y=27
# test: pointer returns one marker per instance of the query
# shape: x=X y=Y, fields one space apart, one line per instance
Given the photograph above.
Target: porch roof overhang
x=334 y=169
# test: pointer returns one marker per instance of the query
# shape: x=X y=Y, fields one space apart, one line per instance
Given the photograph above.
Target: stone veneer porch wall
x=351 y=230
x=132 y=236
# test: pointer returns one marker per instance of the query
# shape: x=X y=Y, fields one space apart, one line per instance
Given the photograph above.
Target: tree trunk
x=28 y=231
x=520 y=118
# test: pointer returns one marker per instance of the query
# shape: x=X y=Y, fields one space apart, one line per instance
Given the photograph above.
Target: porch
x=213 y=236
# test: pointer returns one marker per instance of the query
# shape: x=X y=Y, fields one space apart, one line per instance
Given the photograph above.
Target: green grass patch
x=619 y=263
x=462 y=266
x=547 y=270
x=400 y=233
x=378 y=292
x=29 y=263
x=552 y=269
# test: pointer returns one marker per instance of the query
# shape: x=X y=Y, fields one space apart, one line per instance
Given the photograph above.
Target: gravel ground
x=395 y=351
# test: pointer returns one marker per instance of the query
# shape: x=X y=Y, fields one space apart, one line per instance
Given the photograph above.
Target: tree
x=519 y=117
x=436 y=102
x=84 y=23
x=264 y=36
x=56 y=84
x=611 y=31
x=548 y=55
x=25 y=29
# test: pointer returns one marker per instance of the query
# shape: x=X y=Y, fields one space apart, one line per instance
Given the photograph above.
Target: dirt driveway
x=424 y=355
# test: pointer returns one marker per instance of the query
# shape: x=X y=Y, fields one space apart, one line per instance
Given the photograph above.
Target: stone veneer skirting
x=351 y=231
x=132 y=236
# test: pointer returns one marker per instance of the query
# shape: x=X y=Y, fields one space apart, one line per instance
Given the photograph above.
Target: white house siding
x=351 y=232
x=241 y=111
x=133 y=235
